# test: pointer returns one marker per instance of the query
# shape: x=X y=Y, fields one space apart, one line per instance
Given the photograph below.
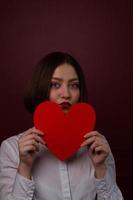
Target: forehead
x=65 y=71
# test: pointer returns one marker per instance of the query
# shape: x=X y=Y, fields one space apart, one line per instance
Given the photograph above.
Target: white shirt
x=54 y=179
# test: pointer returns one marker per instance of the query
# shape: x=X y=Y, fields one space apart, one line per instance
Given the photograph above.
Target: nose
x=65 y=93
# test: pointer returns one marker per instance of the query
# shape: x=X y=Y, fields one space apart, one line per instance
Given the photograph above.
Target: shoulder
x=11 y=141
x=9 y=147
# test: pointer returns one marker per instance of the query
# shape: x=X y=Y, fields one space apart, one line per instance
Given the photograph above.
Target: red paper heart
x=64 y=132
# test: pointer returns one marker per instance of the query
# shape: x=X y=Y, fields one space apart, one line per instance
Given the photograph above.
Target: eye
x=55 y=85
x=74 y=85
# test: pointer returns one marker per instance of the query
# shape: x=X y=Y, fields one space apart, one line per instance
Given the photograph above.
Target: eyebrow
x=70 y=80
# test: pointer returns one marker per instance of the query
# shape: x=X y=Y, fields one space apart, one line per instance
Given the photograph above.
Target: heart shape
x=64 y=132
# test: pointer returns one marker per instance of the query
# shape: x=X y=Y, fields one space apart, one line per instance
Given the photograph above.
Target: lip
x=65 y=105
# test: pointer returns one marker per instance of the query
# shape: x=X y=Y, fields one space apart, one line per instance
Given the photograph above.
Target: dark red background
x=99 y=35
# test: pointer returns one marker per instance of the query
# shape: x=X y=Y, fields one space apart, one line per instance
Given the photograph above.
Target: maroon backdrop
x=99 y=35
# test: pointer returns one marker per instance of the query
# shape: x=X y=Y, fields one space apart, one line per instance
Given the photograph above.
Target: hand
x=98 y=147
x=28 y=145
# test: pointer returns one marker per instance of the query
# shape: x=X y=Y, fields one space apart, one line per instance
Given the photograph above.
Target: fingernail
x=82 y=144
x=85 y=135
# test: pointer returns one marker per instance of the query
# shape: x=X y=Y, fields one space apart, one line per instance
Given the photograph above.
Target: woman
x=28 y=171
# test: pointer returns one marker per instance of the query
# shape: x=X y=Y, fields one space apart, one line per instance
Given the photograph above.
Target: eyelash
x=74 y=85
x=56 y=85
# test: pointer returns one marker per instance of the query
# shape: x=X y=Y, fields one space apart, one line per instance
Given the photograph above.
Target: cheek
x=76 y=96
x=51 y=95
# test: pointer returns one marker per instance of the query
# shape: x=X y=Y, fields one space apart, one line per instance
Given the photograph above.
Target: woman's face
x=64 y=87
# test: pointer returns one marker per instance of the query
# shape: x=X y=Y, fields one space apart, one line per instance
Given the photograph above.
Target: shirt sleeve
x=106 y=187
x=12 y=185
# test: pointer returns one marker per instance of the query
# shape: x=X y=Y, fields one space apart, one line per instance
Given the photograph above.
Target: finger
x=29 y=142
x=32 y=130
x=99 y=149
x=30 y=137
x=95 y=145
x=28 y=148
x=37 y=131
x=27 y=132
x=88 y=141
x=38 y=139
x=93 y=133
